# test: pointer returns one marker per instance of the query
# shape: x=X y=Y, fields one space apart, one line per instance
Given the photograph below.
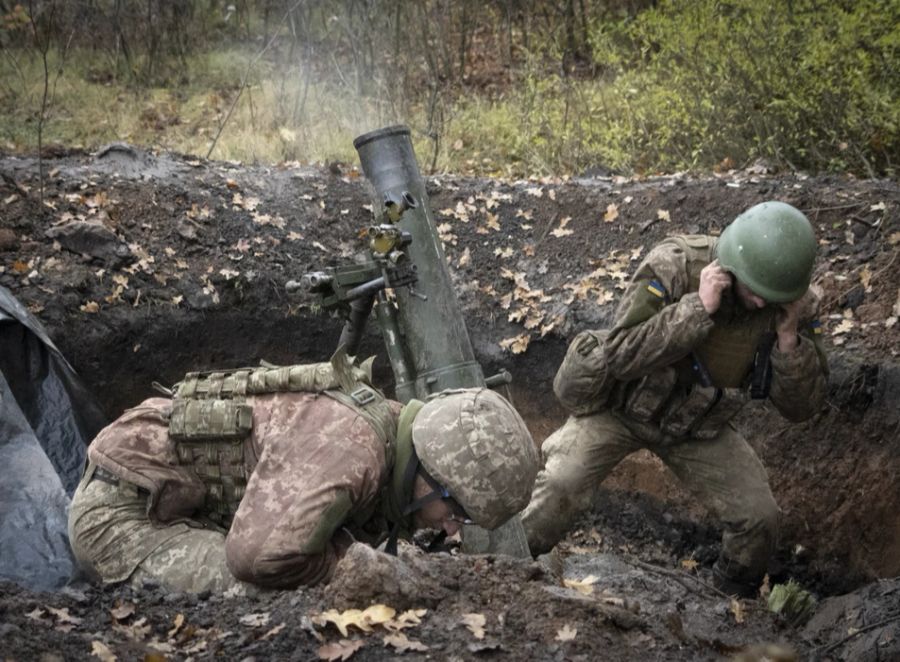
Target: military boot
x=735 y=580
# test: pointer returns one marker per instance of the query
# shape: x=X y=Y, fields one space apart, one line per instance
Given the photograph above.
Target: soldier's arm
x=657 y=322
x=799 y=376
x=288 y=529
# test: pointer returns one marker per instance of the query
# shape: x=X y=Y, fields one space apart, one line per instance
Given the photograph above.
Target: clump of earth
x=144 y=266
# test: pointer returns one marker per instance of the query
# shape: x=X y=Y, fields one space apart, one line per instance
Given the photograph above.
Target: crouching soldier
x=267 y=475
x=703 y=327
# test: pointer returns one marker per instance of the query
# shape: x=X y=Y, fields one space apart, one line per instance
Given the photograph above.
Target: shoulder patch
x=656 y=288
x=816 y=327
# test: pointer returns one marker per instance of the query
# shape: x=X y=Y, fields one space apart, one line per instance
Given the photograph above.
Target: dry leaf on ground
x=255 y=620
x=101 y=650
x=400 y=642
x=475 y=623
x=566 y=633
x=584 y=586
x=339 y=650
x=612 y=213
x=738 y=610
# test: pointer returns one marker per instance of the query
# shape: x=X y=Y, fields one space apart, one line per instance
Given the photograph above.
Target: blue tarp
x=47 y=418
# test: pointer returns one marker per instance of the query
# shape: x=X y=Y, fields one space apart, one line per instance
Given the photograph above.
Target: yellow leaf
x=475 y=623
x=339 y=650
x=400 y=641
x=566 y=633
x=894 y=239
x=583 y=586
x=663 y=215
x=612 y=213
x=689 y=564
x=465 y=257
x=101 y=650
x=516 y=344
x=90 y=307
x=738 y=610
x=865 y=277
x=378 y=614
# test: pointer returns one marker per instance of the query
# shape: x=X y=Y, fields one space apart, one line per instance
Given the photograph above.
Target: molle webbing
x=312 y=378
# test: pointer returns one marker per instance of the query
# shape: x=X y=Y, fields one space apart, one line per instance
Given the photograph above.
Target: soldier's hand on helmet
x=713 y=281
x=791 y=316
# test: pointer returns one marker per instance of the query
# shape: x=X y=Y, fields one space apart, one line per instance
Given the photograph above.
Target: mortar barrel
x=430 y=318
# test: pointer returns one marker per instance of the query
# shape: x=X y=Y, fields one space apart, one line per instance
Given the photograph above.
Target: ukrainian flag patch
x=656 y=288
x=816 y=326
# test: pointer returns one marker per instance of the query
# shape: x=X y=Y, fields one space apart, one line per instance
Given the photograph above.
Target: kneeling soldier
x=704 y=326
x=267 y=475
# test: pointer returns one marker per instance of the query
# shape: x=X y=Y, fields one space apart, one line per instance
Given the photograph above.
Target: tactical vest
x=211 y=421
x=699 y=394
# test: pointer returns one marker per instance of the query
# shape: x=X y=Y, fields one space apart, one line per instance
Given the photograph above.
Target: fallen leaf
x=663 y=215
x=535 y=191
x=894 y=238
x=408 y=619
x=139 y=630
x=878 y=207
x=516 y=344
x=561 y=231
x=475 y=623
x=844 y=327
x=738 y=610
x=275 y=630
x=90 y=307
x=339 y=650
x=229 y=273
x=178 y=622
x=465 y=257
x=566 y=633
x=36 y=614
x=255 y=620
x=400 y=642
x=230 y=183
x=20 y=267
x=583 y=586
x=689 y=564
x=377 y=614
x=101 y=650
x=865 y=277
x=124 y=609
x=505 y=253
x=612 y=213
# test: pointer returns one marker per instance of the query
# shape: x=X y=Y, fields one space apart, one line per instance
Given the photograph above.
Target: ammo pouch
x=700 y=412
x=582 y=384
x=210 y=419
x=649 y=396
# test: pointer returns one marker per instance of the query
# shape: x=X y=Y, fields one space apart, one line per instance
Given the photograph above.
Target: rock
x=89 y=238
x=366 y=576
x=8 y=240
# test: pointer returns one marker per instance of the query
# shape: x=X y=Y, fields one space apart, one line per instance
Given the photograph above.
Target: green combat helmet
x=475 y=444
x=770 y=248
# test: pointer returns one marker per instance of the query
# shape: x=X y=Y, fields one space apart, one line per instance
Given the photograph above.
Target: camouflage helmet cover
x=770 y=248
x=475 y=444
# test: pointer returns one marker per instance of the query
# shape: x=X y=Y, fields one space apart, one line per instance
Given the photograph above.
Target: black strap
x=761 y=377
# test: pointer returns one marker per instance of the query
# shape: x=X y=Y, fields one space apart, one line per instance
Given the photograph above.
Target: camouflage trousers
x=724 y=474
x=114 y=541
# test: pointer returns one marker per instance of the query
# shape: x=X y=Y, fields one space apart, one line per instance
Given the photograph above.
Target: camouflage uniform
x=313 y=465
x=638 y=388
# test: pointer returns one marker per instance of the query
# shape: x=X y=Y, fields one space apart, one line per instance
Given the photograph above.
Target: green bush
x=806 y=83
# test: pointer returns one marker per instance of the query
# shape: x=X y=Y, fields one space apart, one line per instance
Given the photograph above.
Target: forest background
x=489 y=87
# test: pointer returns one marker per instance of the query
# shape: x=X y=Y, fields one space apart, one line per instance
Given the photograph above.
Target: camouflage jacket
x=664 y=339
x=661 y=323
x=313 y=464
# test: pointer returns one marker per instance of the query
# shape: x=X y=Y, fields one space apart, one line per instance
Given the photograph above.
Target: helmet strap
x=413 y=469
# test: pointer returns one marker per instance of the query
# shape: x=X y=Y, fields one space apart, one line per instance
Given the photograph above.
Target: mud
x=195 y=276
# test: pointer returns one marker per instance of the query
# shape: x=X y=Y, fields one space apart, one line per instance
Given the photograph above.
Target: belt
x=110 y=478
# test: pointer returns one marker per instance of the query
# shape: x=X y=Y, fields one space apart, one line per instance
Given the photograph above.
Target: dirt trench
x=193 y=271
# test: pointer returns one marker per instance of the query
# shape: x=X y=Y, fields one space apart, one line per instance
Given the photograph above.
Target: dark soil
x=194 y=271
